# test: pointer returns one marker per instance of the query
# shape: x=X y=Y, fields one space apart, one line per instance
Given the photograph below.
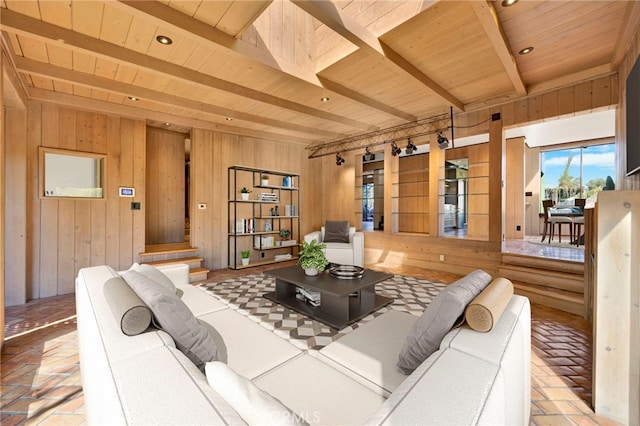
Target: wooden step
x=552 y=279
x=198 y=274
x=566 y=301
x=170 y=248
x=193 y=262
x=558 y=265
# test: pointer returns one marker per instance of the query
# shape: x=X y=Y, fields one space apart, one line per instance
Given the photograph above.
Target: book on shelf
x=290 y=210
x=245 y=226
x=268 y=196
x=265 y=241
x=280 y=257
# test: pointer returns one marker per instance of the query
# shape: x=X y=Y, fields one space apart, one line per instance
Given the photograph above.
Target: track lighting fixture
x=410 y=147
x=395 y=150
x=339 y=159
x=368 y=156
x=443 y=142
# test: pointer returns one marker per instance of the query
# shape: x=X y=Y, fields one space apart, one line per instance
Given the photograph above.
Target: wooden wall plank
x=15 y=220
x=82 y=234
x=34 y=125
x=66 y=246
x=125 y=214
x=113 y=181
x=139 y=182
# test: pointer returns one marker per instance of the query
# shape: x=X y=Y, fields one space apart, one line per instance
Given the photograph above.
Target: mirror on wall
x=456 y=173
x=71 y=174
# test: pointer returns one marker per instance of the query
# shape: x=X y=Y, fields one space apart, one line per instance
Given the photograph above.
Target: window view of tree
x=573 y=173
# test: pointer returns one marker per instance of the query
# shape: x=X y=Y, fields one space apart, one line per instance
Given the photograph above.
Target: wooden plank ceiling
x=260 y=68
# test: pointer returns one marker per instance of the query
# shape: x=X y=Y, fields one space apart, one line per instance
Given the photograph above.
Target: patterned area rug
x=244 y=294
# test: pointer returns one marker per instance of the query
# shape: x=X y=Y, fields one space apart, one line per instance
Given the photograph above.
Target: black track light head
x=395 y=150
x=339 y=159
x=443 y=142
x=410 y=147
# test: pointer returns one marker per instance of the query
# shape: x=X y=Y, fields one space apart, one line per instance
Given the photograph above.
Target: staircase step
x=167 y=249
x=566 y=301
x=552 y=279
x=198 y=274
x=193 y=262
x=558 y=265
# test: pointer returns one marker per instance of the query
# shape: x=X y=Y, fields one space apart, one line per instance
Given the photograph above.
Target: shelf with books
x=270 y=215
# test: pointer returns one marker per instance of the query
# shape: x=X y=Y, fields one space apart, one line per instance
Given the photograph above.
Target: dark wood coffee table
x=342 y=301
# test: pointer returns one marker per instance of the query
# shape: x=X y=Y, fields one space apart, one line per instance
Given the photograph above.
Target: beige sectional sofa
x=474 y=378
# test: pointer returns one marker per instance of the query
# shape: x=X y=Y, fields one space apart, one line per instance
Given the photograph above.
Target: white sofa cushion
x=198 y=301
x=320 y=394
x=254 y=405
x=177 y=394
x=449 y=388
x=251 y=349
x=370 y=352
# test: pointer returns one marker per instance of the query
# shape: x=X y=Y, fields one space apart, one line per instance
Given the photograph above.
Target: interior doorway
x=166 y=210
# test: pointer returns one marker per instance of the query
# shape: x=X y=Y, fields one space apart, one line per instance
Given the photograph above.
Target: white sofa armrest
x=358 y=249
x=315 y=235
x=178 y=273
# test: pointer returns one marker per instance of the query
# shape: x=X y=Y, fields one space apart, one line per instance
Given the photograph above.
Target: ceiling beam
x=330 y=15
x=166 y=16
x=359 y=97
x=186 y=26
x=488 y=17
x=147 y=114
x=94 y=82
x=627 y=31
x=30 y=27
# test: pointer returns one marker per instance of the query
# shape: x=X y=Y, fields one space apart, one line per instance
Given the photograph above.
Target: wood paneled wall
x=165 y=197
x=15 y=222
x=2 y=183
x=515 y=188
x=413 y=194
x=211 y=154
x=68 y=234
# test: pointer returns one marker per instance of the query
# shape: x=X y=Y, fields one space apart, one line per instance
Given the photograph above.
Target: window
x=71 y=174
x=567 y=174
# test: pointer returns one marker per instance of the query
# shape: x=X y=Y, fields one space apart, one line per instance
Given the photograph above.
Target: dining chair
x=550 y=222
x=579 y=220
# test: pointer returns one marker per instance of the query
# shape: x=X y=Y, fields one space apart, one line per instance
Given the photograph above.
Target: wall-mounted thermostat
x=127 y=192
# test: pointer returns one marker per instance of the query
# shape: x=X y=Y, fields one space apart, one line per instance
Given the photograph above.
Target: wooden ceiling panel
x=266 y=64
x=87 y=17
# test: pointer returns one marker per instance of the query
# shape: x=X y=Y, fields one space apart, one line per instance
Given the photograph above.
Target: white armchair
x=351 y=253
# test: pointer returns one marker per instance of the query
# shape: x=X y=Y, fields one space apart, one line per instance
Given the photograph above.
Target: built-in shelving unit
x=256 y=224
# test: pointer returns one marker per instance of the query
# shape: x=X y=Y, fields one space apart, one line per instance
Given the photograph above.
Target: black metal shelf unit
x=257 y=223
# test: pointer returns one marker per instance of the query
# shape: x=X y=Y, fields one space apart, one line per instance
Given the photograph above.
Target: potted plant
x=312 y=258
x=245 y=257
x=244 y=192
x=264 y=180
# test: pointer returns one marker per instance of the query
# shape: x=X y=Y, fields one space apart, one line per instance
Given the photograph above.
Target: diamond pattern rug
x=245 y=295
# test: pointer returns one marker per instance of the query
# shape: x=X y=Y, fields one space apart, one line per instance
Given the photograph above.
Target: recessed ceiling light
x=132 y=98
x=167 y=124
x=324 y=99
x=164 y=39
x=229 y=119
x=525 y=50
x=507 y=3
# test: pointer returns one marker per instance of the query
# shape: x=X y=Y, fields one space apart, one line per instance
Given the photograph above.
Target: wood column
x=496 y=179
x=436 y=187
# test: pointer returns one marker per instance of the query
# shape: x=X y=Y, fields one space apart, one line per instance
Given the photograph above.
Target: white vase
x=264 y=182
x=311 y=271
x=244 y=195
x=245 y=261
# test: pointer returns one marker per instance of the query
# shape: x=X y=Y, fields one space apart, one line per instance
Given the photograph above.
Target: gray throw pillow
x=130 y=312
x=173 y=316
x=336 y=231
x=439 y=318
x=155 y=274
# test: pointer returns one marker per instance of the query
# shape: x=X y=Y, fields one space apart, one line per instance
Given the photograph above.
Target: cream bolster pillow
x=485 y=310
x=129 y=311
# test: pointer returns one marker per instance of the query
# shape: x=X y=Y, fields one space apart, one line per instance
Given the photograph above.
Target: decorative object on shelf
x=312 y=258
x=284 y=233
x=245 y=257
x=244 y=193
x=346 y=272
x=268 y=196
x=268 y=226
x=287 y=181
x=264 y=180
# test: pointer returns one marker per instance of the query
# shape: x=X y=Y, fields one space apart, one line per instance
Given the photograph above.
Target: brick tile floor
x=40 y=374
